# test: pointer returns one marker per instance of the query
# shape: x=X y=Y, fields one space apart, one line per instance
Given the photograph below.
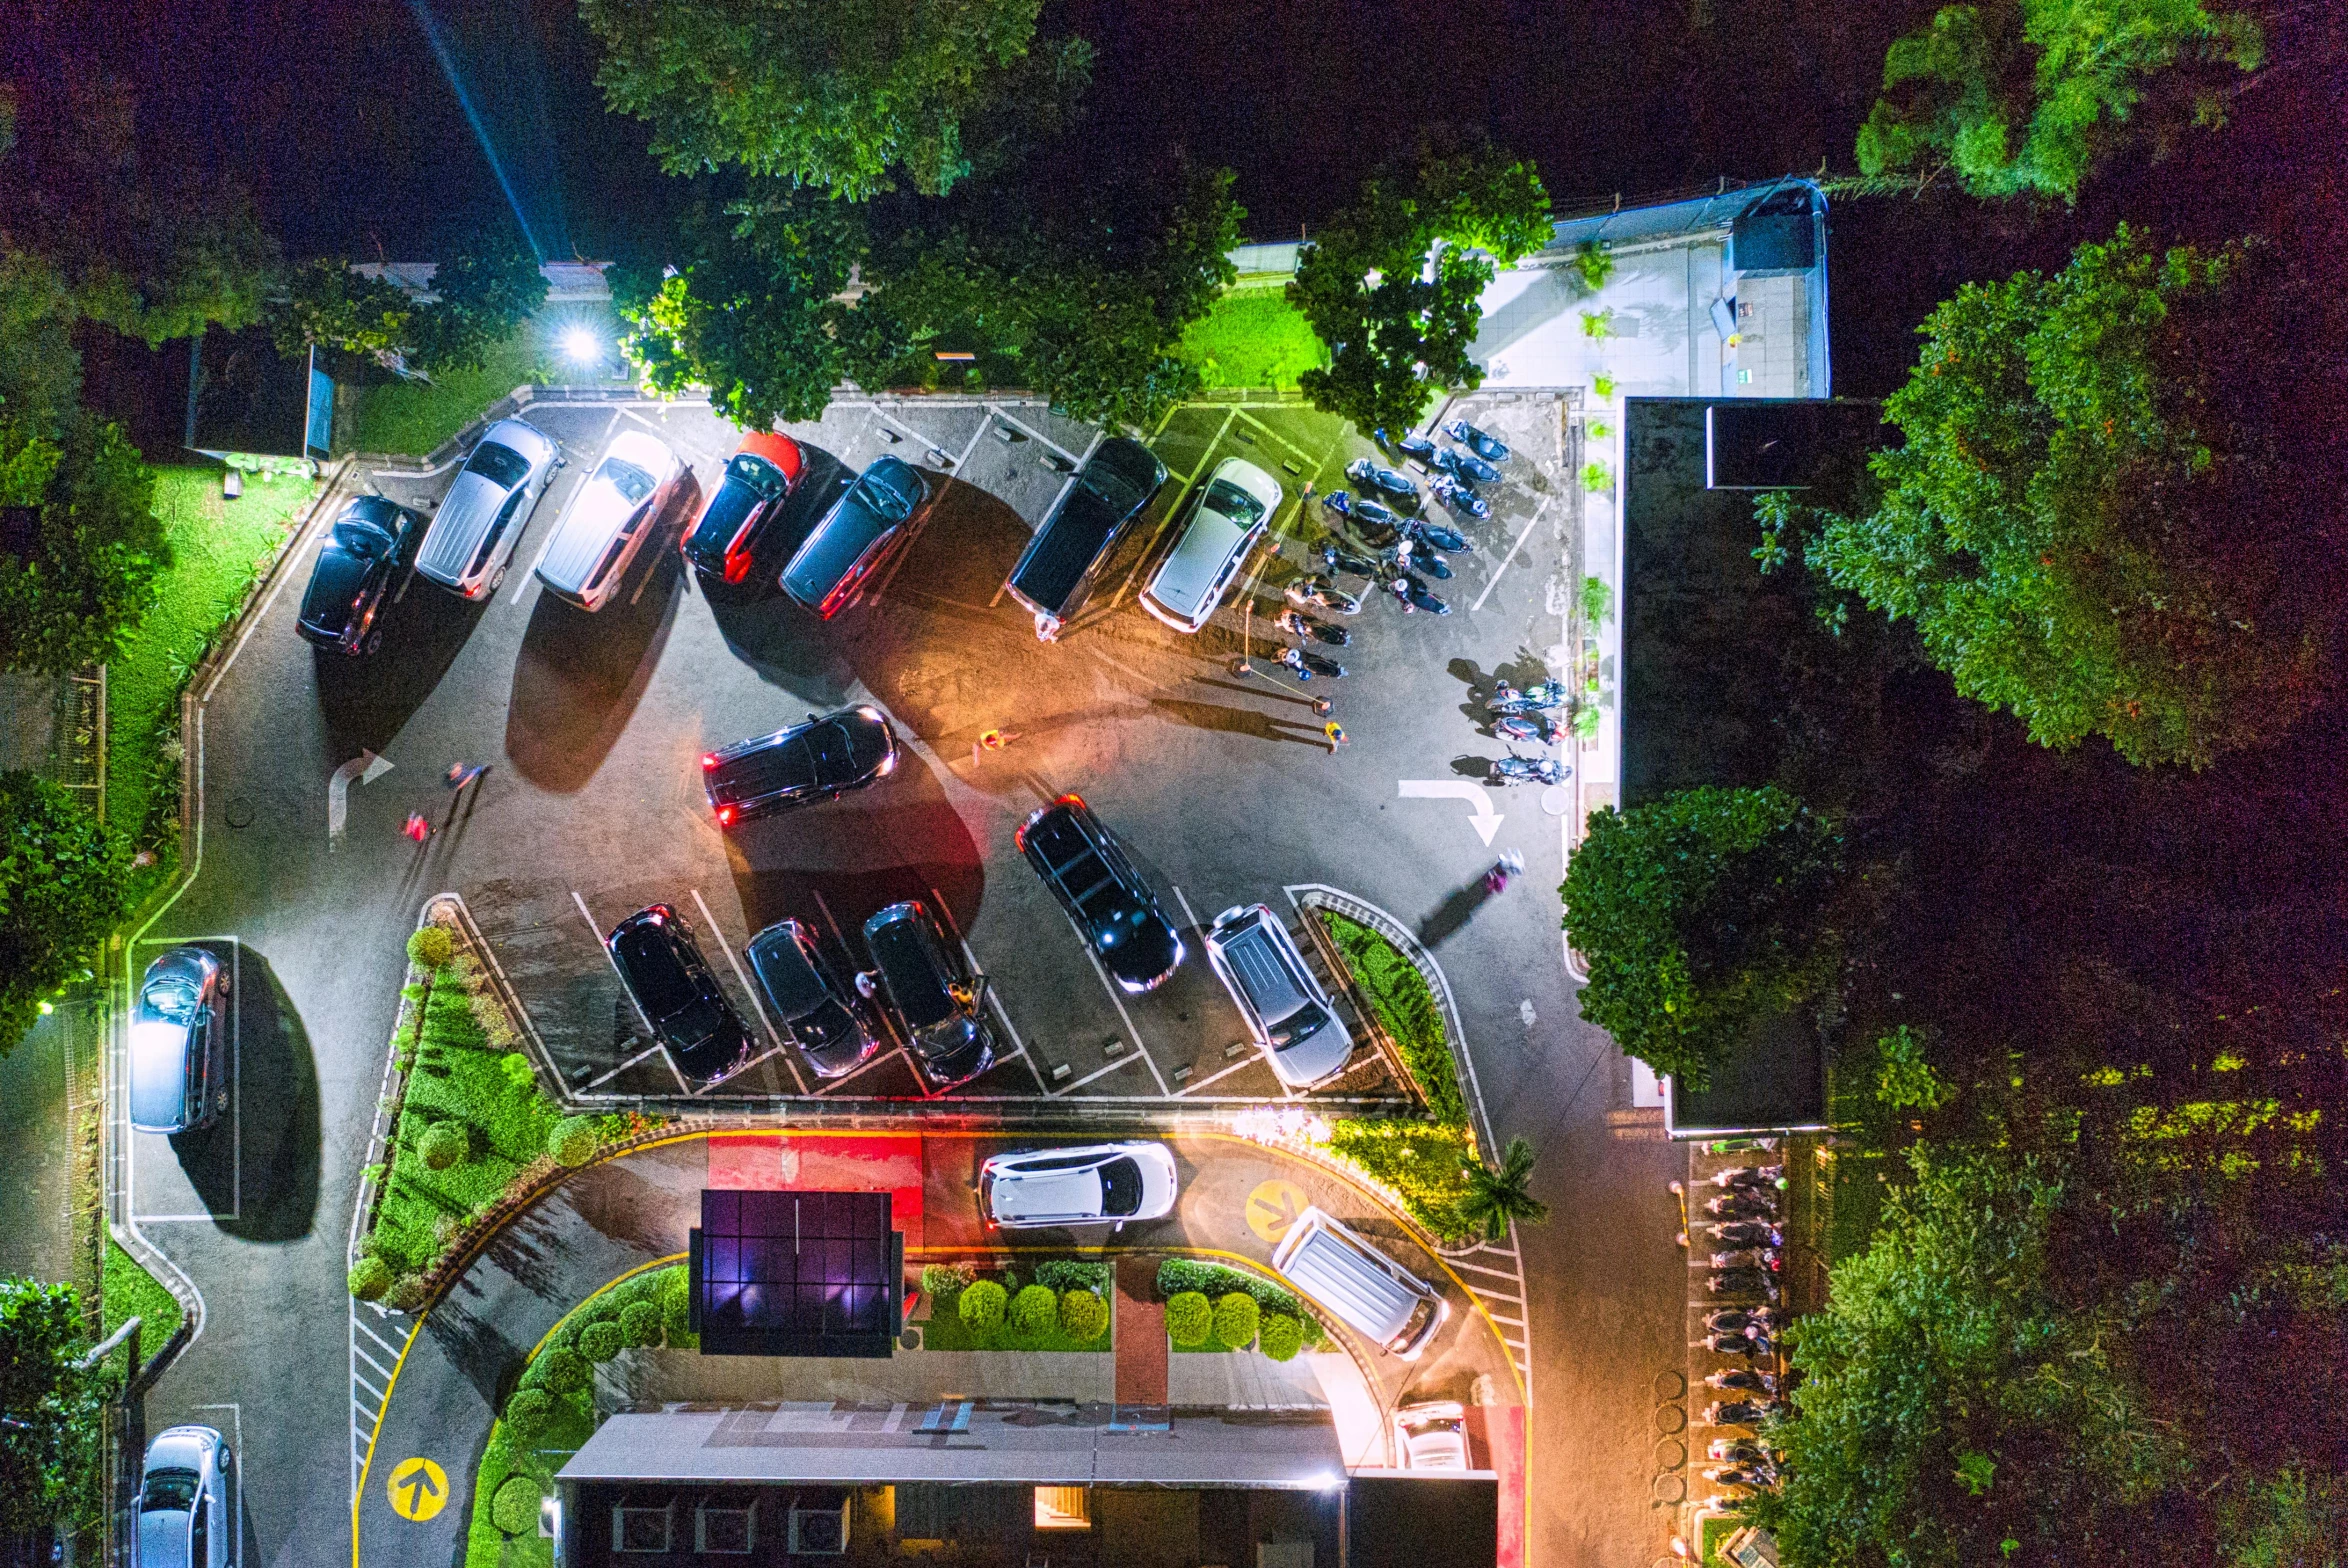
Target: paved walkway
x=1140 y=1332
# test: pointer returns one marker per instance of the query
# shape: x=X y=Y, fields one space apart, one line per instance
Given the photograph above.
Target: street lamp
x=582 y=345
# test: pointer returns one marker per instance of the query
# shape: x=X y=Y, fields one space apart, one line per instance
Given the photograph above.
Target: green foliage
x=1701 y=914
x=1280 y=1337
x=1190 y=1318
x=1494 y=1196
x=1075 y=1274
x=2033 y=96
x=527 y=1412
x=514 y=1506
x=442 y=1144
x=86 y=570
x=1236 y=1320
x=859 y=92
x=1603 y=387
x=573 y=1140
x=981 y=1306
x=61 y=891
x=1594 y=264
x=1431 y=237
x=601 y=1341
x=370 y=1277
x=1597 y=600
x=1251 y=337
x=1596 y=479
x=1904 y=1079
x=488 y=284
x=49 y=1445
x=1405 y=1008
x=2098 y=518
x=640 y=1323
x=943 y=1280
x=1083 y=1315
x=40 y=371
x=1598 y=324
x=431 y=947
x=1035 y=1310
x=563 y=1370
x=327 y=303
x=2290 y=1520
x=130 y=1291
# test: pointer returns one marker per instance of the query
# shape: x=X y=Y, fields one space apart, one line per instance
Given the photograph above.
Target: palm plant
x=1498 y=1194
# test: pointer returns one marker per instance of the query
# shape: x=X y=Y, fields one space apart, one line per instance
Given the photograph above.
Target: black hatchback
x=661 y=965
x=933 y=992
x=816 y=1011
x=827 y=756
x=357 y=567
x=1110 y=905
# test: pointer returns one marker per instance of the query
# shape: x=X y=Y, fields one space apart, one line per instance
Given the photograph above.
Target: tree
x=49 y=1439
x=2022 y=96
x=61 y=890
x=1392 y=286
x=86 y=549
x=485 y=287
x=40 y=371
x=1498 y=1196
x=2102 y=518
x=1699 y=915
x=830 y=93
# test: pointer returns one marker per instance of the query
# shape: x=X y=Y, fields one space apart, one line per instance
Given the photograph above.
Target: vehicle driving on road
x=934 y=995
x=825 y=757
x=1055 y=572
x=610 y=516
x=1286 y=1009
x=1228 y=514
x=1104 y=897
x=357 y=567
x=760 y=476
x=1103 y=1184
x=862 y=530
x=482 y=517
x=187 y=1510
x=662 y=967
x=808 y=1000
x=1359 y=1285
x=179 y=1043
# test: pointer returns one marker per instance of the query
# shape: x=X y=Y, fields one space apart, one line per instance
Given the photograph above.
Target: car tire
x=373 y=642
x=225 y=982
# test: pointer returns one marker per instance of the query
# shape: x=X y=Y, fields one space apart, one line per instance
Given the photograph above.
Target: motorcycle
x=1749 y=1233
x=1413 y=594
x=1340 y=559
x=1339 y=502
x=1749 y=1258
x=1459 y=498
x=1483 y=445
x=1753 y=1477
x=1736 y=1345
x=1319 y=631
x=1409 y=446
x=1466 y=465
x=1516 y=768
x=1439 y=535
x=1320 y=666
x=1743 y=1282
x=1750 y=1178
x=1735 y=1320
x=1370 y=476
x=1318 y=593
x=1405 y=556
x=1539 y=697
x=1528 y=727
x=1376 y=514
x=1742 y=1206
x=1740 y=1412
x=1735 y=1451
x=1743 y=1378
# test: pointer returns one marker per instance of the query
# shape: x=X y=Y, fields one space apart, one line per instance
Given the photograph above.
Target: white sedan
x=615 y=511
x=1432 y=1436
x=1228 y=514
x=1103 y=1184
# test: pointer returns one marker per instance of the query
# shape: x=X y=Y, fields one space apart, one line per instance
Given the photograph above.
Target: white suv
x=1104 y=1184
x=1290 y=1015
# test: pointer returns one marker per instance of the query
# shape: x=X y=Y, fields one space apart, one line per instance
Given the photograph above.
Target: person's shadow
x=1459 y=906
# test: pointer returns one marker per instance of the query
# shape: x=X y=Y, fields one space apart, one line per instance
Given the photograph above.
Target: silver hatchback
x=481 y=519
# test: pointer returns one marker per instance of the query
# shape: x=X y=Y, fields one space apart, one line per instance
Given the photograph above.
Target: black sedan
x=1112 y=908
x=816 y=1011
x=933 y=993
x=827 y=756
x=862 y=530
x=661 y=965
x=358 y=564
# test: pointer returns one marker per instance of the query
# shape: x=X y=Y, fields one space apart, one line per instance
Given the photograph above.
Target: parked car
x=1286 y=1009
x=738 y=517
x=1228 y=514
x=187 y=1508
x=866 y=526
x=935 y=997
x=818 y=1013
x=1055 y=572
x=662 y=968
x=179 y=1043
x=587 y=556
x=355 y=576
x=482 y=517
x=1432 y=1436
x=1106 y=900
x=1360 y=1286
x=1104 y=1184
x=827 y=756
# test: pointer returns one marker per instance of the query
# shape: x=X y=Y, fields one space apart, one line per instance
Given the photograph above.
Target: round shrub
x=982 y=1306
x=443 y=1145
x=370 y=1278
x=1237 y=1317
x=513 y=1508
x=1315 y=1336
x=1281 y=1337
x=527 y=1413
x=573 y=1140
x=599 y=1342
x=640 y=1323
x=1190 y=1318
x=944 y=1281
x=519 y=1075
x=431 y=947
x=566 y=1372
x=1084 y=1317
x=1034 y=1310
x=676 y=1310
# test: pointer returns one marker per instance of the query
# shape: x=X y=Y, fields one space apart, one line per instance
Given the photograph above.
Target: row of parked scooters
x=1742 y=1222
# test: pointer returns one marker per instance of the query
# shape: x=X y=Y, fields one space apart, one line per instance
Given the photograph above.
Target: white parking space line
x=1118 y=1002
x=717 y=1083
x=1302 y=456
x=598 y=1083
x=926 y=442
x=1250 y=1061
x=1188 y=913
x=1024 y=428
x=1494 y=582
x=772 y=1033
x=885 y=1056
x=1098 y=1072
x=995 y=999
x=1481 y=1268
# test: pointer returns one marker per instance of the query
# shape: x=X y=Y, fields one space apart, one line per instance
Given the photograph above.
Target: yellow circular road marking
x=1273 y=1207
x=418 y=1488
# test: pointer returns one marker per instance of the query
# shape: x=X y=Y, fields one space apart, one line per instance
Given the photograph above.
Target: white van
x=1228 y=514
x=1359 y=1285
x=609 y=519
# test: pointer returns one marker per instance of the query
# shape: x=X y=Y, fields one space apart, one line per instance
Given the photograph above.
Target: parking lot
x=1214 y=779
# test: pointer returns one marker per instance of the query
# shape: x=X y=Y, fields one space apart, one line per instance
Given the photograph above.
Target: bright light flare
x=582 y=345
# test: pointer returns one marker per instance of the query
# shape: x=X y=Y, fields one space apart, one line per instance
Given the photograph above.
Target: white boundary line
x=1098 y=1072
x=773 y=1034
x=1494 y=580
x=1118 y=1002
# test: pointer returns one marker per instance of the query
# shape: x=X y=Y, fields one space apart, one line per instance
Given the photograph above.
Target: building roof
x=1015 y=1441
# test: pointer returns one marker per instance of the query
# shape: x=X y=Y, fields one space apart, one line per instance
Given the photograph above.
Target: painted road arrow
x=366 y=767
x=1484 y=819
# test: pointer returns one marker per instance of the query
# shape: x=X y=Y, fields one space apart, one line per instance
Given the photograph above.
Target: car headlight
x=888 y=765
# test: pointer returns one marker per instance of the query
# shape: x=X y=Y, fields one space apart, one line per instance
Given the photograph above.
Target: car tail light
x=725 y=816
x=1069 y=799
x=708 y=760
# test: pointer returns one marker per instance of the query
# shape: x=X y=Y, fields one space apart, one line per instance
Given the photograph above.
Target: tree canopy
x=88 y=547
x=2101 y=519
x=49 y=1443
x=1699 y=915
x=1393 y=284
x=832 y=93
x=486 y=285
x=61 y=890
x=2019 y=96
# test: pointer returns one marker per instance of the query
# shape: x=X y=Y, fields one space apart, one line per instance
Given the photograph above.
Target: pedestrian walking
x=461 y=774
x=455 y=777
x=1336 y=733
x=418 y=827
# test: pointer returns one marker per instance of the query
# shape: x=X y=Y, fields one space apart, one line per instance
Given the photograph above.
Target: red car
x=759 y=478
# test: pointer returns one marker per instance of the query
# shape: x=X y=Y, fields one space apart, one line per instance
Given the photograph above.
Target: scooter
x=1340 y=559
x=1459 y=498
x=1441 y=536
x=1319 y=631
x=1743 y=1378
x=1735 y=1320
x=1485 y=446
x=1749 y=1233
x=1516 y=768
x=1751 y=1478
x=1375 y=514
x=1746 y=1177
x=1320 y=666
x=1528 y=727
x=1400 y=560
x=1469 y=466
x=1742 y=1206
x=1743 y=1282
x=1318 y=593
x=1735 y=1451
x=1749 y=1258
x=1338 y=501
x=1740 y=1412
x=1370 y=476
x=1409 y=446
x=1541 y=696
x=1736 y=1345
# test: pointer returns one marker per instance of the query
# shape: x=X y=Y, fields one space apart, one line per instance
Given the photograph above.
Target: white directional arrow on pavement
x=1484 y=819
x=366 y=767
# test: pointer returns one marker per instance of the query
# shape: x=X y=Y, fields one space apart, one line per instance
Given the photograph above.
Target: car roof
x=776 y=448
x=781 y=966
x=845 y=533
x=1261 y=958
x=1030 y=1195
x=913 y=962
x=524 y=438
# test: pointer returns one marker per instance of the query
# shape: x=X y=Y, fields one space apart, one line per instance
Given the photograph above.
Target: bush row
x=1067 y=1295
x=1398 y=994
x=1420 y=1162
x=1208 y=1302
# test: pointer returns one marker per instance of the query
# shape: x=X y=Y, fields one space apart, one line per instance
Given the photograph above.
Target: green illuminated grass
x=1252 y=338
x=133 y=1292
x=412 y=418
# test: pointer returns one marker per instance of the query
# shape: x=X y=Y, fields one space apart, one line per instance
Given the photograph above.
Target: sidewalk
x=1140 y=1333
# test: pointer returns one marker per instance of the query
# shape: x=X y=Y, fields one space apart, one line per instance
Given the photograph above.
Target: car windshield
x=171 y=999
x=168 y=1491
x=760 y=475
x=1298 y=1027
x=835 y=754
x=876 y=492
x=1120 y=1187
x=502 y=466
x=633 y=483
x=1227 y=498
x=698 y=1021
x=361 y=537
x=1109 y=489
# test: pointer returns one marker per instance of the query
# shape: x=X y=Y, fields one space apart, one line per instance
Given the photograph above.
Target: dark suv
x=827 y=756
x=654 y=951
x=816 y=1011
x=358 y=566
x=1112 y=908
x=932 y=992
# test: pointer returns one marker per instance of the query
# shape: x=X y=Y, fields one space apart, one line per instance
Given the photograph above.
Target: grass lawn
x=413 y=418
x=218 y=549
x=1406 y=1008
x=131 y=1291
x=1252 y=338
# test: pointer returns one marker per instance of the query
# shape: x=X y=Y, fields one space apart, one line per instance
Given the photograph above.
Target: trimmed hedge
x=370 y=1277
x=1213 y=1279
x=944 y=1281
x=1421 y=1162
x=431 y=947
x=1281 y=1336
x=565 y=1370
x=1083 y=1315
x=599 y=1342
x=1189 y=1318
x=1237 y=1318
x=640 y=1323
x=1034 y=1310
x=1066 y=1274
x=572 y=1141
x=982 y=1305
x=527 y=1412
x=1398 y=994
x=514 y=1506
x=443 y=1145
